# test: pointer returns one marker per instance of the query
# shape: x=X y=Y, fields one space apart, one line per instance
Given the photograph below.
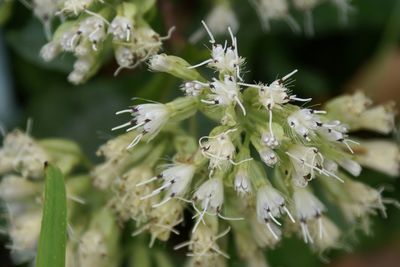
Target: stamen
x=321 y=227
x=147 y=181
x=76 y=199
x=201 y=64
x=123 y=111
x=169 y=228
x=210 y=102
x=289 y=214
x=156 y=191
x=240 y=105
x=288 y=75
x=273 y=218
x=270 y=124
x=306 y=233
x=293 y=97
x=135 y=127
x=162 y=202
x=170 y=31
x=272 y=231
x=201 y=216
x=121 y=126
x=220 y=252
x=182 y=245
x=212 y=40
x=135 y=141
x=229 y=218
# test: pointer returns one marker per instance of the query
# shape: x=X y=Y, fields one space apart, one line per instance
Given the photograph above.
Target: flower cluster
x=256 y=171
x=22 y=161
x=222 y=15
x=95 y=30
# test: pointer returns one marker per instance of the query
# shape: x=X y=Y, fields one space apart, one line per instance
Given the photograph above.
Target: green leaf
x=53 y=234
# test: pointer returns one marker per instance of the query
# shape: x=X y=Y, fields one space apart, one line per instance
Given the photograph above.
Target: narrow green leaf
x=53 y=234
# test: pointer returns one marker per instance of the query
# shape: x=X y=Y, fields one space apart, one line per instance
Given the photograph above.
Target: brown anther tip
x=46 y=164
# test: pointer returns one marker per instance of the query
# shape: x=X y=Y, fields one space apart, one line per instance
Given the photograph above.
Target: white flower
x=176 y=179
x=269 y=156
x=305 y=4
x=223 y=59
x=115 y=147
x=344 y=8
x=121 y=28
x=50 y=51
x=75 y=6
x=163 y=219
x=242 y=183
x=351 y=166
x=159 y=63
x=224 y=93
x=211 y=195
x=362 y=201
x=70 y=39
x=270 y=205
x=268 y=10
x=218 y=149
x=21 y=153
x=380 y=155
x=127 y=202
x=149 y=118
x=308 y=208
x=76 y=77
x=145 y=42
x=218 y=20
x=305 y=121
x=44 y=9
x=92 y=249
x=306 y=161
x=275 y=96
x=203 y=247
x=379 y=118
x=192 y=88
x=93 y=28
x=335 y=131
x=325 y=234
x=356 y=111
x=124 y=56
x=269 y=140
x=265 y=234
x=15 y=188
x=84 y=64
x=24 y=233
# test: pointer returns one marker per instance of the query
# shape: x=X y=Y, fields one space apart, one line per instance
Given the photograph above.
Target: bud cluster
x=222 y=14
x=22 y=160
x=95 y=30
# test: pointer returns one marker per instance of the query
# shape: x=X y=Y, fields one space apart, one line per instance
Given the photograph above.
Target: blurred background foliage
x=363 y=54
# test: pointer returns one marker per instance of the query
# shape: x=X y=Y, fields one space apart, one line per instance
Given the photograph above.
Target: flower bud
x=127 y=202
x=50 y=51
x=175 y=66
x=164 y=218
x=356 y=111
x=99 y=244
x=23 y=154
x=325 y=234
x=265 y=234
x=380 y=155
x=14 y=188
x=24 y=234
